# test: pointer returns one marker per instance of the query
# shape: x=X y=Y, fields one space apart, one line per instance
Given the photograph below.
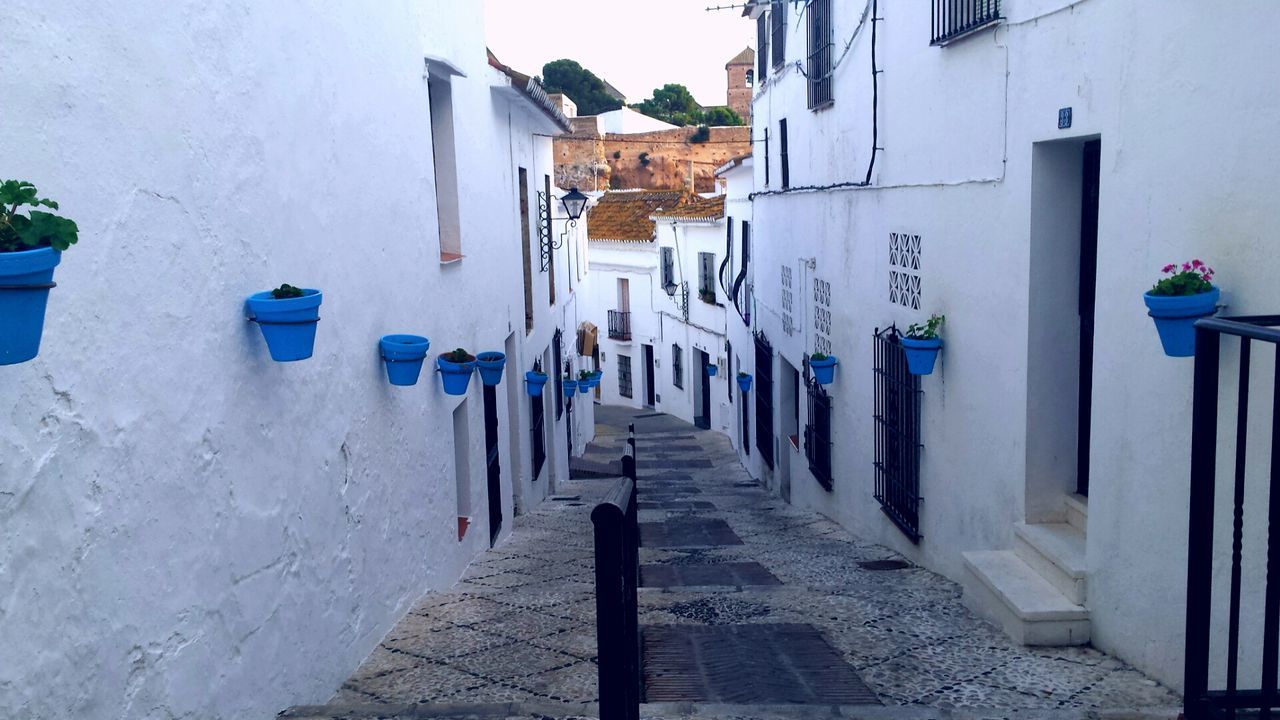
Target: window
x=897 y=423
x=764 y=399
x=766 y=157
x=668 y=267
x=751 y=78
x=817 y=430
x=551 y=261
x=762 y=45
x=677 y=366
x=707 y=277
x=954 y=19
x=778 y=15
x=444 y=156
x=624 y=375
x=782 y=153
x=527 y=250
x=819 y=60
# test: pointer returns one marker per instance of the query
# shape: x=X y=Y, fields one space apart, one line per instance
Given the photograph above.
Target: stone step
x=1003 y=588
x=1057 y=552
x=1077 y=511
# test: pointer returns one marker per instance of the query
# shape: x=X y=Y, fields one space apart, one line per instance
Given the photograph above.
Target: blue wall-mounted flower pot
x=490 y=365
x=921 y=354
x=744 y=382
x=584 y=386
x=289 y=324
x=455 y=377
x=535 y=381
x=403 y=356
x=712 y=370
x=25 y=280
x=570 y=387
x=824 y=371
x=1176 y=316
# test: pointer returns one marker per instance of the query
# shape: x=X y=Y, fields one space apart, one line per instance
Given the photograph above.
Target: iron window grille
x=677 y=366
x=668 y=267
x=624 y=375
x=619 y=325
x=897 y=424
x=707 y=277
x=537 y=434
x=778 y=23
x=764 y=398
x=762 y=43
x=746 y=423
x=954 y=19
x=1204 y=640
x=556 y=340
x=817 y=430
x=766 y=157
x=820 y=49
x=782 y=153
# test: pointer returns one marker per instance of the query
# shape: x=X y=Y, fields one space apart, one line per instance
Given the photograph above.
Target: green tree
x=672 y=103
x=721 y=116
x=580 y=84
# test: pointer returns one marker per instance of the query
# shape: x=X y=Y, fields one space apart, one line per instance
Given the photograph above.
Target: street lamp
x=574 y=203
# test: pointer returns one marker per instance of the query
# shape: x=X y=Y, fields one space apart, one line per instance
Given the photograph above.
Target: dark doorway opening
x=702 y=415
x=649 y=390
x=1088 y=296
x=492 y=462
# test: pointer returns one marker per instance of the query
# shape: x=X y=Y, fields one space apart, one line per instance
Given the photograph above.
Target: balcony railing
x=953 y=19
x=619 y=325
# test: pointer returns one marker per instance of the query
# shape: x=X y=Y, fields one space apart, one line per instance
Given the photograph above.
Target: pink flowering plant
x=1189 y=278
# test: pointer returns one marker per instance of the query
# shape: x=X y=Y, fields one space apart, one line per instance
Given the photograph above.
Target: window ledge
x=449 y=258
x=824 y=106
x=968 y=32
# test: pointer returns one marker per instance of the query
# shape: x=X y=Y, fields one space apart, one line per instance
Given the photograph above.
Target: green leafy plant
x=31 y=229
x=701 y=135
x=818 y=356
x=742 y=374
x=707 y=296
x=928 y=330
x=585 y=374
x=286 y=291
x=459 y=356
x=1191 y=278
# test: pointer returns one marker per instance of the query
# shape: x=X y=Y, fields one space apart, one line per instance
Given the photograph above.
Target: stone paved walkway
x=519 y=627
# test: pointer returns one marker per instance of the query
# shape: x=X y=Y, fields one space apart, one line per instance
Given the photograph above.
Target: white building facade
x=1026 y=175
x=187 y=528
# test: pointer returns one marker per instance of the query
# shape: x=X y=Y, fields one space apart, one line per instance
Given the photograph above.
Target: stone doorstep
x=1057 y=552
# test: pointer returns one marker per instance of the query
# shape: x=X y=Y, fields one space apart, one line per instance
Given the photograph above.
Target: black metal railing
x=953 y=19
x=897 y=422
x=1199 y=700
x=617 y=541
x=819 y=60
x=817 y=430
x=764 y=398
x=619 y=325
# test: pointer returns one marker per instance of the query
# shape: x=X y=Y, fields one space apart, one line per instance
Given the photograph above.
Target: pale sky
x=637 y=45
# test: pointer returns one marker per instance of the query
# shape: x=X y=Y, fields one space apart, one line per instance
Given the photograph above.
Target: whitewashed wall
x=1186 y=133
x=188 y=529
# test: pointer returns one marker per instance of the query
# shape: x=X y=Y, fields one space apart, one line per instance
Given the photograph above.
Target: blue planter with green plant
x=744 y=381
x=287 y=317
x=534 y=382
x=1177 y=301
x=455 y=369
x=490 y=365
x=403 y=356
x=712 y=370
x=921 y=345
x=31 y=246
x=823 y=367
x=570 y=386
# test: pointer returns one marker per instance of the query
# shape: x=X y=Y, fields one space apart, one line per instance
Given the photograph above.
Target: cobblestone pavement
x=519 y=627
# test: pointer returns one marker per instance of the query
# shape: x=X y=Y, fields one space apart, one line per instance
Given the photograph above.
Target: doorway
x=492 y=462
x=702 y=413
x=649 y=390
x=1065 y=197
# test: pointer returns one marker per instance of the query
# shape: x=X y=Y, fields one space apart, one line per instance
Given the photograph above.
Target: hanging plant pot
x=455 y=371
x=744 y=382
x=25 y=280
x=288 y=324
x=824 y=369
x=921 y=354
x=403 y=355
x=534 y=382
x=712 y=370
x=1175 y=317
x=491 y=364
x=570 y=387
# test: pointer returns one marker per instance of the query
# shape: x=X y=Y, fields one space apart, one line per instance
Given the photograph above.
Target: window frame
x=677 y=366
x=778 y=32
x=820 y=47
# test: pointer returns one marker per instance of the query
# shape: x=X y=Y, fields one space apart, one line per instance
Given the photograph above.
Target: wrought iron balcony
x=619 y=325
x=954 y=19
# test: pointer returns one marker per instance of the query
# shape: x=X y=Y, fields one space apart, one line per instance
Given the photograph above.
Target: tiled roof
x=625 y=216
x=696 y=208
x=532 y=90
x=746 y=57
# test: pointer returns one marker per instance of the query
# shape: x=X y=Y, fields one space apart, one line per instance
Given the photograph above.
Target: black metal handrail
x=1199 y=701
x=619 y=325
x=617 y=542
x=953 y=19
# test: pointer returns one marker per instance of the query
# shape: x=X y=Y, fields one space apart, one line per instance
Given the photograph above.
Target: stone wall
x=592 y=161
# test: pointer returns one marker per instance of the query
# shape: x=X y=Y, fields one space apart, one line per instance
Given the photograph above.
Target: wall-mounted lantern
x=574 y=203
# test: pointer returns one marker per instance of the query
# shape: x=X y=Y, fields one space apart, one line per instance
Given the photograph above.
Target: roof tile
x=625 y=216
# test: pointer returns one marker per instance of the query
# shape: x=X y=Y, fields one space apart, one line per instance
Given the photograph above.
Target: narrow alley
x=748 y=606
